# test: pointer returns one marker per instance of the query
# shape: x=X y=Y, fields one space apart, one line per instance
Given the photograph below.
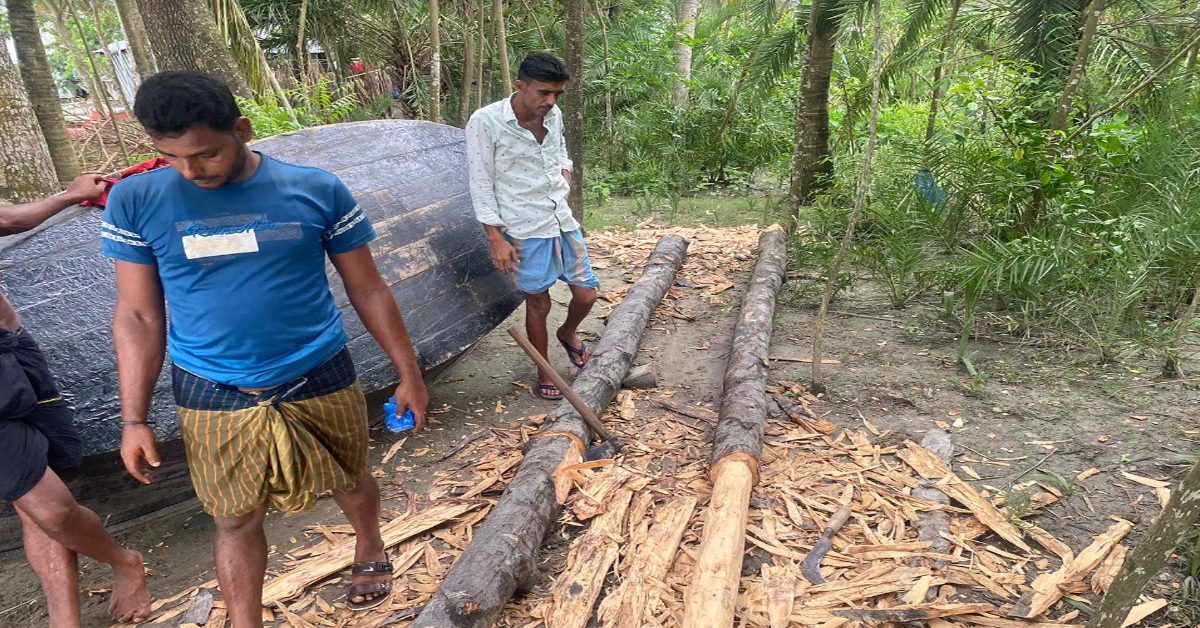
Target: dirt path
x=896 y=373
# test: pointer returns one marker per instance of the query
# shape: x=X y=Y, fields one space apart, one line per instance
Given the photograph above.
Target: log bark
x=641 y=377
x=744 y=404
x=503 y=554
x=1145 y=560
x=932 y=524
x=737 y=444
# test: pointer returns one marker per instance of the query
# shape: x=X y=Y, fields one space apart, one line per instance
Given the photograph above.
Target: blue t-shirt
x=242 y=266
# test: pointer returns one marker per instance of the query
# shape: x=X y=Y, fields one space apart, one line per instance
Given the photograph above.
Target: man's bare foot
x=130 y=598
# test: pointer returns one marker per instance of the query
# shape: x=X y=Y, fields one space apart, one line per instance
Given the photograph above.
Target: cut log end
x=641 y=378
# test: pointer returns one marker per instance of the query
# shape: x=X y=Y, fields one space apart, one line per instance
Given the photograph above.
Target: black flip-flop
x=572 y=351
x=370 y=568
x=542 y=388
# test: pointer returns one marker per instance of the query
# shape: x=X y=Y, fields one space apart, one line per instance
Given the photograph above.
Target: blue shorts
x=546 y=260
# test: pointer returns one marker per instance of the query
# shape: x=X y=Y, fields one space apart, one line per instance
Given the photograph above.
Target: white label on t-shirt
x=198 y=246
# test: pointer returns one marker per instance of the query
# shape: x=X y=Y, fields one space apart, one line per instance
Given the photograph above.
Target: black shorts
x=37 y=429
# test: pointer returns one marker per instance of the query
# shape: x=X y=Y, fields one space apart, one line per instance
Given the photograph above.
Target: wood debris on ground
x=635 y=524
x=878 y=570
x=712 y=255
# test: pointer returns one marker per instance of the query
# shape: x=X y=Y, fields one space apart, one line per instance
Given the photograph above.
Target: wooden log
x=1047 y=587
x=709 y=600
x=737 y=444
x=641 y=378
x=653 y=559
x=578 y=586
x=1145 y=560
x=932 y=525
x=930 y=467
x=503 y=554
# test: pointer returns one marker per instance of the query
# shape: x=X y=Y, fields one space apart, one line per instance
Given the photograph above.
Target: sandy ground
x=1043 y=406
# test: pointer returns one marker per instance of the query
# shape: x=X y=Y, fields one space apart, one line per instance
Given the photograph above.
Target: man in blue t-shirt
x=269 y=405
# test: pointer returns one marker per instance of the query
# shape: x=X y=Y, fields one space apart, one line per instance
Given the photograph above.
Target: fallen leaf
x=1138 y=417
x=954 y=412
x=1144 y=481
x=1087 y=474
x=1104 y=439
x=958 y=423
x=394 y=449
x=942 y=424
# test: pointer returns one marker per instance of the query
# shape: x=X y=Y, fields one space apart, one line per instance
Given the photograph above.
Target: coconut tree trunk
x=608 y=104
x=301 y=43
x=480 y=81
x=936 y=93
x=1063 y=111
x=683 y=52
x=29 y=172
x=810 y=157
x=502 y=46
x=39 y=86
x=435 y=64
x=185 y=37
x=135 y=35
x=464 y=101
x=573 y=103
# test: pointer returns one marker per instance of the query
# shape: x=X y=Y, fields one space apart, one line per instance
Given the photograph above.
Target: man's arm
x=140 y=338
x=23 y=217
x=481 y=172
x=373 y=301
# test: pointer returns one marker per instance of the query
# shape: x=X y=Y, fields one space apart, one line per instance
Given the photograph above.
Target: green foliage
x=313 y=105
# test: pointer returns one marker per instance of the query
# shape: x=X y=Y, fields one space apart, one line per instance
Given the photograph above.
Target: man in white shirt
x=520 y=177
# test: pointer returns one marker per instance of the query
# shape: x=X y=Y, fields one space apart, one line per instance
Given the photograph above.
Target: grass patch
x=715 y=210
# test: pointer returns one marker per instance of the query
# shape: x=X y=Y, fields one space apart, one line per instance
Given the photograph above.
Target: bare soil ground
x=1044 y=408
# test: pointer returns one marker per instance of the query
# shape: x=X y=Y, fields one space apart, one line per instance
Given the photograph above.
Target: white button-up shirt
x=516 y=183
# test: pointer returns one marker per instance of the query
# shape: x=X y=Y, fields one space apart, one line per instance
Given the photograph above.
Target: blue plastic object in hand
x=402 y=423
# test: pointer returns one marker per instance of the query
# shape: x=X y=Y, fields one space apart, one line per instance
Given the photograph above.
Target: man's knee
x=54 y=516
x=584 y=296
x=241 y=524
x=538 y=305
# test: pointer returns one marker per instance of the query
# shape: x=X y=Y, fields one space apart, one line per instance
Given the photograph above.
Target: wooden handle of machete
x=582 y=408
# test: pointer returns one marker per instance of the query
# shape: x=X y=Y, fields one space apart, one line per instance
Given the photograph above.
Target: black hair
x=544 y=67
x=170 y=103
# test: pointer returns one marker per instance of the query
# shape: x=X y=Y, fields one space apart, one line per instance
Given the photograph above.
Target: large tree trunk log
x=39 y=86
x=185 y=37
x=503 y=555
x=737 y=444
x=1144 y=561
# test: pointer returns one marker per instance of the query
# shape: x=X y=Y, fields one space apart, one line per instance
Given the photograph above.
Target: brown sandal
x=369 y=568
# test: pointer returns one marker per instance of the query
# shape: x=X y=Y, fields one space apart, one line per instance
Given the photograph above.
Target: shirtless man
x=38 y=440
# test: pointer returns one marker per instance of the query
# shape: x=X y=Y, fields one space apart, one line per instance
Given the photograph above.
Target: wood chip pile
x=645 y=516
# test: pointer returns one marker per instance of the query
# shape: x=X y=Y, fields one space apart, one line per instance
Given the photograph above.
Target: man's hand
x=86 y=187
x=138 y=451
x=413 y=395
x=504 y=256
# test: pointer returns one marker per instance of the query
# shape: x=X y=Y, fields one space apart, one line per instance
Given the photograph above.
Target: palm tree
x=811 y=166
x=502 y=46
x=29 y=172
x=39 y=85
x=683 y=51
x=573 y=102
x=135 y=35
x=185 y=37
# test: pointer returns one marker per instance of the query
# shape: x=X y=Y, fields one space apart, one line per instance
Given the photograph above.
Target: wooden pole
x=504 y=553
x=737 y=444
